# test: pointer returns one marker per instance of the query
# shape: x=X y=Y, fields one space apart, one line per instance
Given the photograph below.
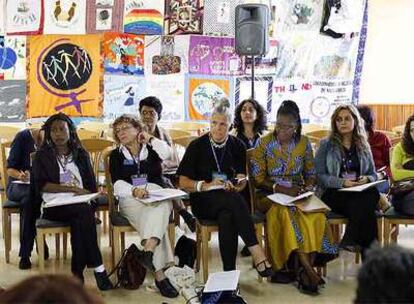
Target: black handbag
x=402 y=187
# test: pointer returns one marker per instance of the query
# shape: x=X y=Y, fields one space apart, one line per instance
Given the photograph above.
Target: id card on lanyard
x=218 y=163
x=65 y=177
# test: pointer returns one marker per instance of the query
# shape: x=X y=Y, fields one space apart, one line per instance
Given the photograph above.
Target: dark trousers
x=359 y=208
x=21 y=193
x=229 y=209
x=85 y=250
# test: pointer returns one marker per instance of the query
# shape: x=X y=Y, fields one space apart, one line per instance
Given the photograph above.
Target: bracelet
x=133 y=189
x=199 y=186
x=195 y=186
x=274 y=187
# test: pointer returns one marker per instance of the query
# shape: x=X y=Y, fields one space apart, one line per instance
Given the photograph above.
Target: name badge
x=138 y=180
x=222 y=176
x=128 y=162
x=65 y=177
x=285 y=183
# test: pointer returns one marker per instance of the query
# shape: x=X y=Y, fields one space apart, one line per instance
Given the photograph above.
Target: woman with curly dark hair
x=249 y=122
x=402 y=167
x=62 y=166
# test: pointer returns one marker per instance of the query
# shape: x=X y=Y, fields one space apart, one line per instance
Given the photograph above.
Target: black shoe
x=25 y=263
x=266 y=272
x=103 y=281
x=245 y=252
x=145 y=259
x=283 y=277
x=166 y=288
x=305 y=286
x=189 y=219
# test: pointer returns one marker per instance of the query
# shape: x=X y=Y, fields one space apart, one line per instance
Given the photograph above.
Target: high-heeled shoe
x=266 y=272
x=306 y=287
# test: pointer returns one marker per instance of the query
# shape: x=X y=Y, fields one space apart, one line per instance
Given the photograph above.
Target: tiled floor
x=341 y=280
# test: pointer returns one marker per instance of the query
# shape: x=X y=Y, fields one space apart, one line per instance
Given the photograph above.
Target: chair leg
x=198 y=244
x=57 y=244
x=65 y=245
x=394 y=234
x=116 y=246
x=7 y=234
x=122 y=241
x=357 y=257
x=105 y=220
x=204 y=248
x=259 y=236
x=380 y=227
x=387 y=231
x=325 y=270
x=41 y=249
x=171 y=234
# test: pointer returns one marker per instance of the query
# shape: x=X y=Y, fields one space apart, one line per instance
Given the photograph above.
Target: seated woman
x=18 y=169
x=380 y=147
x=150 y=109
x=210 y=164
x=135 y=168
x=343 y=160
x=249 y=122
x=283 y=162
x=402 y=166
x=62 y=166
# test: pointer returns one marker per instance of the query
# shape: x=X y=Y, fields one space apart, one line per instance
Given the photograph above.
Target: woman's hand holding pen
x=139 y=193
x=24 y=176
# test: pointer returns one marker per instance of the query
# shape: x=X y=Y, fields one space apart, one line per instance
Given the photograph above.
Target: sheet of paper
x=287 y=200
x=216 y=187
x=226 y=280
x=361 y=188
x=60 y=199
x=162 y=195
x=21 y=182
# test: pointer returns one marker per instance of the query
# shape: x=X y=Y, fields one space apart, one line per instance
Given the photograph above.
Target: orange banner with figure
x=65 y=75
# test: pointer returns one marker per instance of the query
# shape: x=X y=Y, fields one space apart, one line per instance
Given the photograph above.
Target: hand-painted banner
x=144 y=17
x=170 y=90
x=13 y=57
x=183 y=17
x=65 y=75
x=214 y=56
x=264 y=65
x=123 y=54
x=12 y=100
x=24 y=17
x=165 y=55
x=65 y=17
x=122 y=95
x=202 y=92
x=104 y=16
x=219 y=17
x=2 y=17
x=263 y=87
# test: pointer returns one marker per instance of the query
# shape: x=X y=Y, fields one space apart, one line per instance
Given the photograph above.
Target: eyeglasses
x=280 y=126
x=149 y=113
x=123 y=128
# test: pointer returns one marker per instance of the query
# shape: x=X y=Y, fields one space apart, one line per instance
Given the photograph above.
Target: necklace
x=218 y=145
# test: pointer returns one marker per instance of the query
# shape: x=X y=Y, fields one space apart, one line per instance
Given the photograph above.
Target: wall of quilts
x=98 y=58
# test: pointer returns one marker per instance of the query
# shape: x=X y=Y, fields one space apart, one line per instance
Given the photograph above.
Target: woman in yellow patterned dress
x=283 y=162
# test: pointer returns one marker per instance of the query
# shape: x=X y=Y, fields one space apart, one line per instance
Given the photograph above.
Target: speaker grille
x=250 y=39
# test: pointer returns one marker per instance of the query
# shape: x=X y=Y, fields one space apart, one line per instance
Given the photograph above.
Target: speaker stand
x=252 y=96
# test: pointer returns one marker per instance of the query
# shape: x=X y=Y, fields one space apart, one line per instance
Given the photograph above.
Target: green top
x=399 y=158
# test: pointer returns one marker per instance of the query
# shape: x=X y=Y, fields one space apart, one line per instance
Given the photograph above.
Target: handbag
x=402 y=187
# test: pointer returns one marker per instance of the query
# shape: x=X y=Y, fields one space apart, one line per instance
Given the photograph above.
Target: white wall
x=388 y=71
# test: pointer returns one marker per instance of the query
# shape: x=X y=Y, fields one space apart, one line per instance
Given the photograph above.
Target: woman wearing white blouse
x=135 y=168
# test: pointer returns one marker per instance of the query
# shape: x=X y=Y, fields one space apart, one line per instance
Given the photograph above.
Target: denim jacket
x=328 y=161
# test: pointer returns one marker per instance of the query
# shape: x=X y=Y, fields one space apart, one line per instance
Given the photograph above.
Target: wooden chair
x=308 y=127
x=95 y=147
x=399 y=130
x=118 y=224
x=181 y=144
x=89 y=134
x=204 y=229
x=316 y=136
x=7 y=133
x=196 y=128
x=176 y=133
x=8 y=207
x=393 y=137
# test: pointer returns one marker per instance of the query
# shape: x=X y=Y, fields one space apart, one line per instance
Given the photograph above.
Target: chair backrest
x=4 y=146
x=321 y=133
x=95 y=148
x=108 y=180
x=7 y=133
x=176 y=133
x=196 y=128
x=307 y=127
x=86 y=134
x=399 y=130
x=250 y=179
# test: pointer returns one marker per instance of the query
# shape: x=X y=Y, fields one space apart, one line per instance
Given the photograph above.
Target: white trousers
x=151 y=221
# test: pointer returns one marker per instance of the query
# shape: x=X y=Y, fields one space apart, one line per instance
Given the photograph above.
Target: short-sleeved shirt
x=199 y=162
x=21 y=147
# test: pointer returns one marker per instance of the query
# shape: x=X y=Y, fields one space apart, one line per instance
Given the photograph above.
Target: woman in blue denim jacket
x=345 y=160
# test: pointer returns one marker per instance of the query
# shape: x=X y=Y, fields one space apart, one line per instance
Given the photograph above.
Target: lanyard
x=215 y=157
x=136 y=160
x=65 y=162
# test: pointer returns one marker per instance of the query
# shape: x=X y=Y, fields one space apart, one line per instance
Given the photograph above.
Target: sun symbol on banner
x=64 y=66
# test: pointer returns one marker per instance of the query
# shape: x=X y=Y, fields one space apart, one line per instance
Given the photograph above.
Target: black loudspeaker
x=252 y=29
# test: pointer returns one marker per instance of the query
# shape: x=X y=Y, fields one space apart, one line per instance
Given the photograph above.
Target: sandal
x=266 y=272
x=306 y=287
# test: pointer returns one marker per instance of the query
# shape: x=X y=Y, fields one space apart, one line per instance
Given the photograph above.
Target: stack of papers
x=306 y=202
x=67 y=198
x=363 y=187
x=220 y=281
x=162 y=195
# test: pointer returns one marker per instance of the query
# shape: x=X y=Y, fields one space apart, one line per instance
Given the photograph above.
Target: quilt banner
x=65 y=17
x=265 y=65
x=144 y=17
x=183 y=17
x=122 y=95
x=2 y=17
x=12 y=100
x=202 y=93
x=24 y=17
x=123 y=54
x=219 y=16
x=104 y=16
x=65 y=75
x=165 y=55
x=13 y=57
x=214 y=56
